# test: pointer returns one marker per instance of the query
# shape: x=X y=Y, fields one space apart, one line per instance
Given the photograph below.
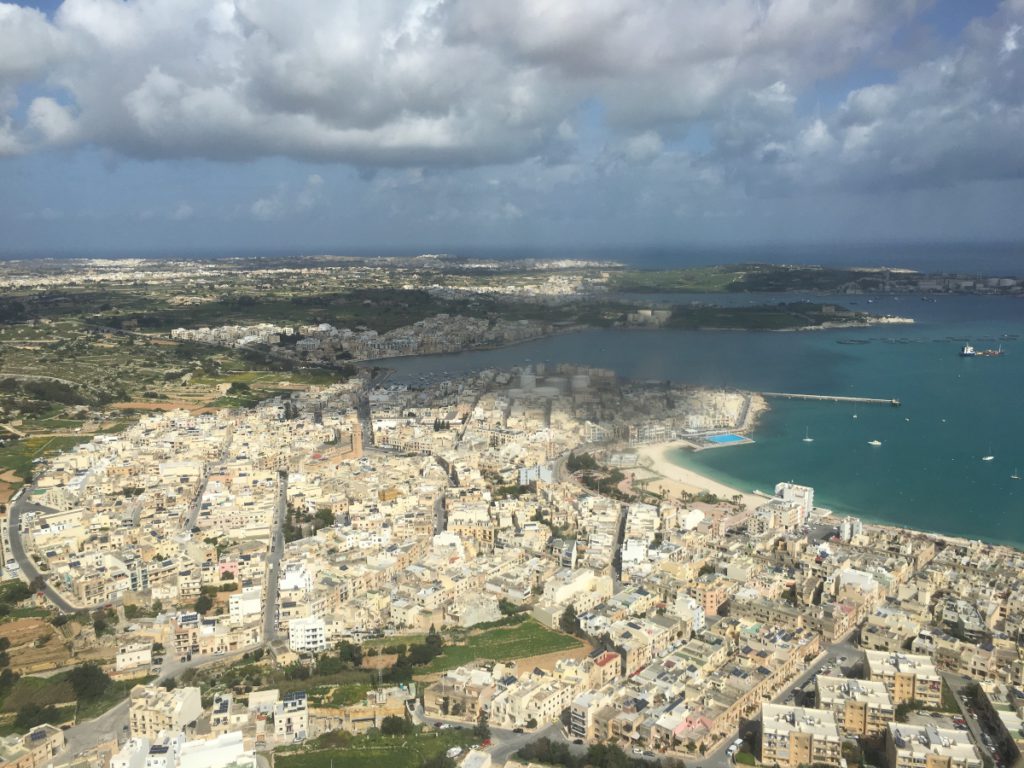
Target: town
x=497 y=564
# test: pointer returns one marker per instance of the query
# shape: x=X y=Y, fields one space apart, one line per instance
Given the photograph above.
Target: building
x=861 y=706
x=795 y=736
x=225 y=750
x=291 y=717
x=307 y=634
x=133 y=656
x=36 y=748
x=153 y=709
x=926 y=746
x=908 y=677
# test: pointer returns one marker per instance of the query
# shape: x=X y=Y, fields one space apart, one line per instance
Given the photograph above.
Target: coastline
x=676 y=479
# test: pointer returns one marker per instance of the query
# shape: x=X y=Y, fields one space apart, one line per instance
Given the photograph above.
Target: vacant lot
x=504 y=643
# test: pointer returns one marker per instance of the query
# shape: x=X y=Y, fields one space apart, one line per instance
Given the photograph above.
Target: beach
x=675 y=479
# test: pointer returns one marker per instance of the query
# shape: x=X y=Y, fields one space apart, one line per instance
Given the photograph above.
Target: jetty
x=894 y=402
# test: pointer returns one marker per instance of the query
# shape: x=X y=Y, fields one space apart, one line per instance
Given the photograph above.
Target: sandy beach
x=674 y=478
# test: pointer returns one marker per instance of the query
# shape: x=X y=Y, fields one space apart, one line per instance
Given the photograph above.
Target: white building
x=307 y=634
x=223 y=751
x=133 y=656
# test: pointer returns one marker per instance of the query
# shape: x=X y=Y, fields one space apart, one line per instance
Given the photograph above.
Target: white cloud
x=453 y=84
x=432 y=82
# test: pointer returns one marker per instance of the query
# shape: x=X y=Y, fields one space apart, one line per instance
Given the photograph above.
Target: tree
x=482 y=729
x=569 y=622
x=169 y=684
x=32 y=714
x=904 y=709
x=88 y=681
x=395 y=725
x=203 y=604
x=531 y=723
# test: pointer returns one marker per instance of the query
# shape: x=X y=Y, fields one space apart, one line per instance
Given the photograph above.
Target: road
x=112 y=723
x=955 y=683
x=274 y=562
x=29 y=572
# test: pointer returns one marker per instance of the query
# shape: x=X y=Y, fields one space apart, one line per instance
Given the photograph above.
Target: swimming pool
x=723 y=439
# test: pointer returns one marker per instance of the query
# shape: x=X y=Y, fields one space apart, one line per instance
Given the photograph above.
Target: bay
x=928 y=473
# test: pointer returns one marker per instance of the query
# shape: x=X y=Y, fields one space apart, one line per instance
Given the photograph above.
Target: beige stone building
x=795 y=736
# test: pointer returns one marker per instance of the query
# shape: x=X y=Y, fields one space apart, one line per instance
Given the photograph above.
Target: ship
x=968 y=351
x=989 y=352
x=875 y=443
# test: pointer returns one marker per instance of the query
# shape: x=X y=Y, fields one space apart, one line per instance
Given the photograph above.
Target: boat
x=967 y=351
x=807 y=435
x=1015 y=476
x=987 y=458
x=875 y=443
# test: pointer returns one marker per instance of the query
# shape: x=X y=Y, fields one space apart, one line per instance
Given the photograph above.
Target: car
x=637 y=751
x=577 y=741
x=438 y=724
x=738 y=743
x=648 y=753
x=842 y=659
x=517 y=730
x=730 y=751
x=156 y=669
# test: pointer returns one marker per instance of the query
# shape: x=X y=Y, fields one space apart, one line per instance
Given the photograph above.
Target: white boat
x=1015 y=476
x=807 y=435
x=875 y=443
x=987 y=458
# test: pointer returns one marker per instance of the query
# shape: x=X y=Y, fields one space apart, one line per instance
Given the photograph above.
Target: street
x=29 y=572
x=274 y=562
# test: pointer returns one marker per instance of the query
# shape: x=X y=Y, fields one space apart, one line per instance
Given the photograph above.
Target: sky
x=319 y=125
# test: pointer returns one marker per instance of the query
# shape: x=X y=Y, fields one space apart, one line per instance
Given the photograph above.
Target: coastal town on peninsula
x=499 y=566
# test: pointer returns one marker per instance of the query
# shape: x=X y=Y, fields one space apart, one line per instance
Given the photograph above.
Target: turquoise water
x=927 y=473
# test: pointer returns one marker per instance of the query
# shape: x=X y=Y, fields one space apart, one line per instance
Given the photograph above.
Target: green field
x=19 y=454
x=379 y=751
x=57 y=690
x=504 y=643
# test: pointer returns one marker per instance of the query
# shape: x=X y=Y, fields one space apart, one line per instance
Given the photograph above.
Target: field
x=57 y=690
x=378 y=752
x=501 y=644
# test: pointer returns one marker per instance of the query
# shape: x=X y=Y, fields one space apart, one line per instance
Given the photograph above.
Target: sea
x=928 y=473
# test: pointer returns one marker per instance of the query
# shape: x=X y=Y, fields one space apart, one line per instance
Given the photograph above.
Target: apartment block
x=861 y=706
x=795 y=736
x=907 y=677
x=917 y=746
x=153 y=709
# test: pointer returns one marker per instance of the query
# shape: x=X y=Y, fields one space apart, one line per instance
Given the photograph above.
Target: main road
x=274 y=561
x=29 y=571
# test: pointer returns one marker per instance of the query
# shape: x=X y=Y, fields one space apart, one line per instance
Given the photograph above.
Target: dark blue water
x=928 y=472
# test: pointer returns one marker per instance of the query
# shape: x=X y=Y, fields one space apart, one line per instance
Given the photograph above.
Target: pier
x=836 y=398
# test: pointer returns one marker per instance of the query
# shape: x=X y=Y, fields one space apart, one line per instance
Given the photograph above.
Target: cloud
x=570 y=96
x=948 y=120
x=432 y=82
